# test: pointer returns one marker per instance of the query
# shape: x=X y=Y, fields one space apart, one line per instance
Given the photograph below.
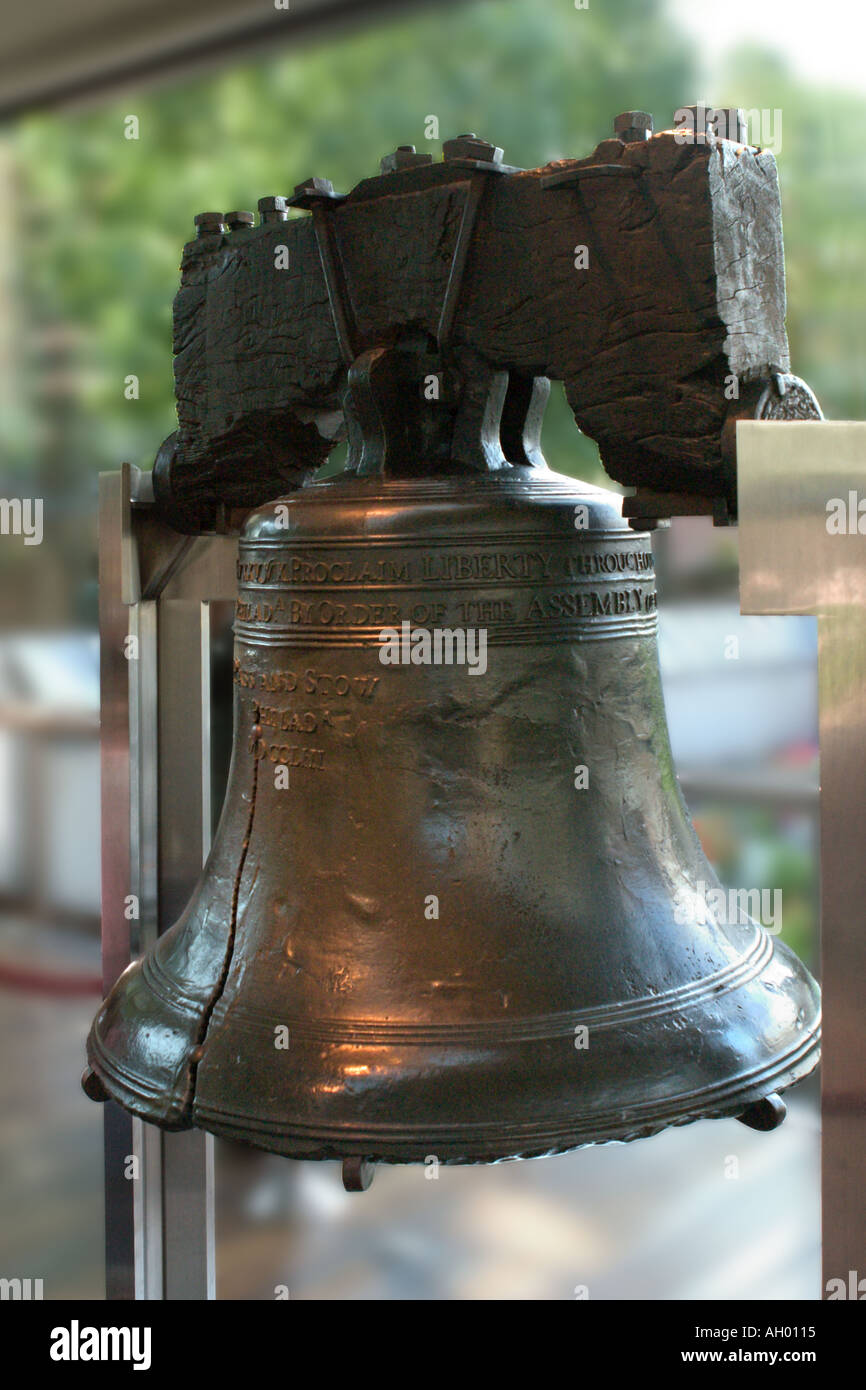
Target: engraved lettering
x=325 y=613
x=496 y=566
x=297 y=570
x=287 y=755
x=310 y=682
x=486 y=611
x=608 y=562
x=428 y=613
x=289 y=721
x=590 y=603
x=488 y=567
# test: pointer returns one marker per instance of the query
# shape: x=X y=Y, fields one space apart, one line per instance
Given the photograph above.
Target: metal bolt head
x=633 y=125
x=469 y=146
x=314 y=193
x=692 y=124
x=729 y=123
x=209 y=223
x=239 y=221
x=404 y=157
x=273 y=209
x=315 y=187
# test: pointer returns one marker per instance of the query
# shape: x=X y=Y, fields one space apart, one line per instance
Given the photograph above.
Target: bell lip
x=146 y=1102
x=182 y=1107
x=496 y=1145
x=495 y=1142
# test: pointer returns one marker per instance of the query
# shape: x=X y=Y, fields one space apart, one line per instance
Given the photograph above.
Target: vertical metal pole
x=145 y=858
x=793 y=559
x=842 y=714
x=156 y=829
x=115 y=796
x=184 y=840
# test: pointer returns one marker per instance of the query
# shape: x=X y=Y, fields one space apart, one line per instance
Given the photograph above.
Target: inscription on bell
x=319 y=612
x=327 y=612
x=590 y=604
x=287 y=755
x=609 y=562
x=307 y=682
x=298 y=570
x=449 y=568
x=445 y=567
x=293 y=721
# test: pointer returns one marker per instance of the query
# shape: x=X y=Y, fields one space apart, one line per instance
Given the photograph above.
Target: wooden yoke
x=424 y=313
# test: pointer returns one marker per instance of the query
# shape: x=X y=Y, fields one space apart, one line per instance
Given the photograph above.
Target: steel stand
x=156 y=590
x=792 y=561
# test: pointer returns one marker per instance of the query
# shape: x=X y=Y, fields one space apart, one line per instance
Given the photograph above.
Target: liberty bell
x=455 y=905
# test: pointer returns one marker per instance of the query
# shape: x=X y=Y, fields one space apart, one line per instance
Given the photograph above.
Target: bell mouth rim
x=497 y=1142
x=467 y=1142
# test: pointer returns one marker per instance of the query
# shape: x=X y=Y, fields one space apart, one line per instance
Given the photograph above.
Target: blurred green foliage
x=101 y=219
x=822 y=171
x=753 y=847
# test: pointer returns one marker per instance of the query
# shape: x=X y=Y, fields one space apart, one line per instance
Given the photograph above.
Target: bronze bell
x=455 y=905
x=440 y=914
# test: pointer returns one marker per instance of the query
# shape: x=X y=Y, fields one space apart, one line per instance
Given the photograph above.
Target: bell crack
x=196 y=1054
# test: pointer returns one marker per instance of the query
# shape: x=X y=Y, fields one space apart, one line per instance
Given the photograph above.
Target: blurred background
x=233 y=101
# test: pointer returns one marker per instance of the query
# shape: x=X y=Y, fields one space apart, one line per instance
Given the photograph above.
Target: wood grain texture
x=683 y=289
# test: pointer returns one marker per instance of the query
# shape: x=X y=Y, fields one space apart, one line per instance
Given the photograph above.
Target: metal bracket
x=474 y=190
x=566 y=178
x=793 y=477
x=156 y=590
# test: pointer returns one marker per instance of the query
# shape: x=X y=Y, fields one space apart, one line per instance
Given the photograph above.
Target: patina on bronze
x=429 y=936
x=455 y=905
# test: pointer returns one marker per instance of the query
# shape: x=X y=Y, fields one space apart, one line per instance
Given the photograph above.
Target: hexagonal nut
x=209 y=223
x=633 y=125
x=728 y=123
x=273 y=209
x=240 y=221
x=469 y=146
x=404 y=157
x=690 y=125
x=314 y=187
